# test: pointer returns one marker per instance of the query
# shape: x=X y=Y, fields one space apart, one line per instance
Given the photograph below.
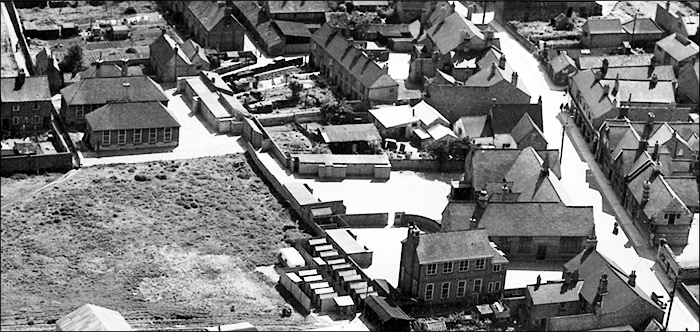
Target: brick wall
x=59 y=162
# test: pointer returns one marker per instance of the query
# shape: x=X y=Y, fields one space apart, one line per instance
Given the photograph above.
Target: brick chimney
x=473 y=223
x=654 y=80
x=591 y=242
x=98 y=67
x=597 y=75
x=567 y=278
x=125 y=67
x=655 y=154
x=604 y=69
x=574 y=276
x=632 y=279
x=645 y=192
x=502 y=62
x=19 y=80
x=616 y=88
x=126 y=86
x=493 y=70
x=603 y=285
x=514 y=78
x=544 y=169
x=483 y=198
x=538 y=282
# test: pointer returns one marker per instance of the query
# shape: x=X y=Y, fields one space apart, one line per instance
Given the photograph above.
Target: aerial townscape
x=350 y=165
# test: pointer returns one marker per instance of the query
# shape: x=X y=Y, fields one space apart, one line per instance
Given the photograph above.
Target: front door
x=541 y=252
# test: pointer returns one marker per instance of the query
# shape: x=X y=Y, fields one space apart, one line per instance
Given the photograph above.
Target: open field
x=19 y=185
x=178 y=246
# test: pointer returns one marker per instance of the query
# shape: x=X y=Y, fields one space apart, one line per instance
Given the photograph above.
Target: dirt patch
x=83 y=14
x=178 y=248
x=536 y=31
x=289 y=139
x=18 y=185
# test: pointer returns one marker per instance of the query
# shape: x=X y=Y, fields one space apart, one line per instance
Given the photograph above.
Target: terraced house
x=350 y=69
x=451 y=267
x=26 y=105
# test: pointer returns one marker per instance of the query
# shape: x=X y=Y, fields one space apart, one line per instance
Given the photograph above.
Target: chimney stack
x=606 y=91
x=126 y=91
x=616 y=88
x=591 y=242
x=603 y=284
x=645 y=192
x=473 y=223
x=125 y=67
x=514 y=78
x=574 y=276
x=493 y=70
x=98 y=67
x=544 y=171
x=502 y=62
x=654 y=80
x=668 y=5
x=483 y=198
x=597 y=76
x=655 y=154
x=538 y=281
x=633 y=279
x=604 y=69
x=19 y=80
x=567 y=278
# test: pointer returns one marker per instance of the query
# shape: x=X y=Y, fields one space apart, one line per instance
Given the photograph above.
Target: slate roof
x=504 y=117
x=35 y=88
x=554 y=292
x=524 y=128
x=110 y=70
x=349 y=133
x=661 y=195
x=644 y=25
x=455 y=246
x=189 y=51
x=100 y=90
x=491 y=165
x=144 y=115
x=439 y=131
x=207 y=13
x=476 y=126
x=603 y=26
x=284 y=7
x=686 y=188
x=353 y=60
x=592 y=93
x=536 y=219
x=561 y=62
x=441 y=11
x=386 y=310
x=293 y=29
x=591 y=265
x=90 y=317
x=634 y=60
x=641 y=92
x=451 y=32
x=663 y=73
x=489 y=76
x=678 y=47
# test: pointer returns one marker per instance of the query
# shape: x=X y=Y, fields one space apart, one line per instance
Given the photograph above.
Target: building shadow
x=130 y=152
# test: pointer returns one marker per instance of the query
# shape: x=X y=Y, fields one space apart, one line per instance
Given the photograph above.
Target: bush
x=129 y=11
x=141 y=178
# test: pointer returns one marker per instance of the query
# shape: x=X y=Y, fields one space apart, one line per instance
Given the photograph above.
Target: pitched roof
x=686 y=188
x=603 y=26
x=455 y=246
x=438 y=14
x=282 y=7
x=524 y=128
x=35 y=88
x=349 y=133
x=476 y=126
x=207 y=13
x=353 y=60
x=392 y=116
x=386 y=309
x=451 y=32
x=536 y=219
x=561 y=62
x=100 y=90
x=661 y=195
x=642 y=91
x=116 y=116
x=678 y=47
x=633 y=60
x=491 y=165
x=554 y=292
x=643 y=25
x=439 y=131
x=90 y=317
x=591 y=265
x=663 y=73
x=294 y=29
x=504 y=117
x=592 y=93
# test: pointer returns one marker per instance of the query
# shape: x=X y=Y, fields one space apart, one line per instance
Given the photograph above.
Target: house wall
x=602 y=40
x=385 y=95
x=635 y=314
x=511 y=246
x=420 y=67
x=69 y=114
x=537 y=312
x=669 y=264
x=26 y=120
x=688 y=86
x=458 y=101
x=96 y=140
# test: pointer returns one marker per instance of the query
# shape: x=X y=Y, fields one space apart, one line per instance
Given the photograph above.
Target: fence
x=283 y=119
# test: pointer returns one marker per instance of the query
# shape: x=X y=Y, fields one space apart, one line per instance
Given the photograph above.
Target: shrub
x=129 y=11
x=141 y=178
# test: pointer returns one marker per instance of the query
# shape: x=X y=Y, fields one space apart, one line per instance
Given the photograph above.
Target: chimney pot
x=632 y=279
x=502 y=62
x=19 y=80
x=603 y=284
x=538 y=281
x=125 y=67
x=126 y=90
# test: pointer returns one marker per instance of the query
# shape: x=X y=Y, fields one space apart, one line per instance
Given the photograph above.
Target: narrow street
x=574 y=173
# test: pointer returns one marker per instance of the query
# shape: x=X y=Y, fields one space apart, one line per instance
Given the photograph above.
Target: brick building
x=602 y=33
x=445 y=268
x=210 y=23
x=676 y=50
x=131 y=126
x=350 y=69
x=88 y=94
x=26 y=105
x=170 y=59
x=686 y=26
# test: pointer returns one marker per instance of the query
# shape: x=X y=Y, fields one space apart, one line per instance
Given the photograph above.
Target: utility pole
x=563 y=132
x=634 y=26
x=670 y=305
x=483 y=17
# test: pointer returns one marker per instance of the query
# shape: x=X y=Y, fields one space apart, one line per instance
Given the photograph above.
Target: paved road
x=618 y=248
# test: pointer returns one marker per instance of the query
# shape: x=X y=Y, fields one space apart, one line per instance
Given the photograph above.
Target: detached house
x=211 y=24
x=26 y=105
x=170 y=59
x=421 y=123
x=456 y=268
x=350 y=69
x=602 y=33
x=88 y=94
x=686 y=26
x=125 y=125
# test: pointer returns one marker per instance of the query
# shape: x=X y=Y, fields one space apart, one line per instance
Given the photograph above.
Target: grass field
x=178 y=246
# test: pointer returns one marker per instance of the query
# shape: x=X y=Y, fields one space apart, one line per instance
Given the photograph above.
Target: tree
x=73 y=62
x=438 y=150
x=296 y=87
x=459 y=148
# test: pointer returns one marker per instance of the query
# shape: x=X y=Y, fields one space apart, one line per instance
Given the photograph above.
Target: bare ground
x=178 y=249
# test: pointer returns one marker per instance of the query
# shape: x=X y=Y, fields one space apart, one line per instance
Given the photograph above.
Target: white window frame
x=497 y=286
x=496 y=267
x=139 y=136
x=429 y=288
x=80 y=112
x=447 y=267
x=479 y=264
x=167 y=135
x=463 y=266
x=431 y=269
x=489 y=288
x=442 y=290
x=15 y=107
x=461 y=288
x=106 y=134
x=121 y=136
x=152 y=135
x=478 y=282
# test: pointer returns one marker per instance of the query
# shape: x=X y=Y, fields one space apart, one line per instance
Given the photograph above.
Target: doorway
x=541 y=252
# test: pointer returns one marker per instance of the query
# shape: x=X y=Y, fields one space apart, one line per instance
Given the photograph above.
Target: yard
x=536 y=31
x=291 y=140
x=164 y=243
x=312 y=97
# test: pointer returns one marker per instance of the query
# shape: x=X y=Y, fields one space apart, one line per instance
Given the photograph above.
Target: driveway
x=196 y=140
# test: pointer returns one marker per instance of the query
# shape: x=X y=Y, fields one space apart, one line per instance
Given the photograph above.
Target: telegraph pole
x=670 y=305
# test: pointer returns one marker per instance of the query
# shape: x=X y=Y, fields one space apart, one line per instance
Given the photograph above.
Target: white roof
x=343 y=301
x=393 y=116
x=90 y=317
x=439 y=131
x=292 y=257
